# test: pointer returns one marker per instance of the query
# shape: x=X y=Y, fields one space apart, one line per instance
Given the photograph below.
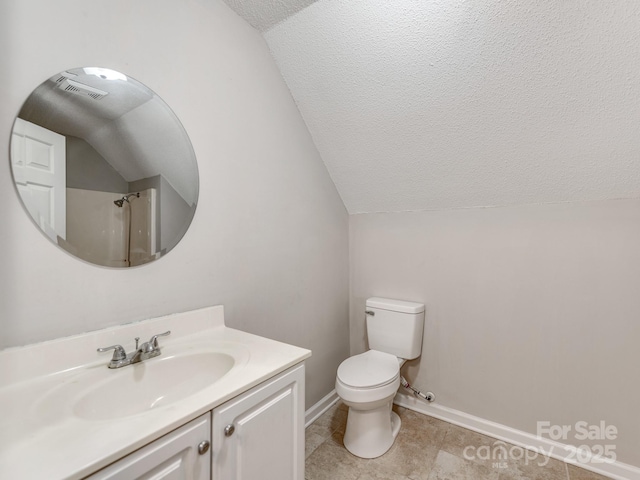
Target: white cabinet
x=260 y=434
x=179 y=455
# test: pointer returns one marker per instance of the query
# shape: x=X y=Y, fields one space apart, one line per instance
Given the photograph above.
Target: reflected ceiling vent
x=65 y=82
x=62 y=76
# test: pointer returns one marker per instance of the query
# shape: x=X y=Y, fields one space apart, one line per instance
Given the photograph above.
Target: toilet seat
x=369 y=370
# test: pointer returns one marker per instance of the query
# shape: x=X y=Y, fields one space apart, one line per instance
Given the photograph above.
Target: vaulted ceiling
x=433 y=104
x=264 y=14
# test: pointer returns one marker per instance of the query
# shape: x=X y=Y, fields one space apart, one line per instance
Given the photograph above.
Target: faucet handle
x=154 y=340
x=118 y=354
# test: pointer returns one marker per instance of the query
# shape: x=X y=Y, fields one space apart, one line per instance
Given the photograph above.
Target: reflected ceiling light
x=105 y=73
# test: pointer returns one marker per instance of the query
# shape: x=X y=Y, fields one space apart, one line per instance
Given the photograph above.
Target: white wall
x=270 y=236
x=532 y=312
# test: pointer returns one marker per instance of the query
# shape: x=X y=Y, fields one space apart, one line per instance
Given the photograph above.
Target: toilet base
x=371 y=433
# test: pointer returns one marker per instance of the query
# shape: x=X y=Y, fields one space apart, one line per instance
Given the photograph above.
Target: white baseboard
x=557 y=450
x=320 y=407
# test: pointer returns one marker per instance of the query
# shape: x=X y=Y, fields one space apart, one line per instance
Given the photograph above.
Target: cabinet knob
x=228 y=430
x=203 y=447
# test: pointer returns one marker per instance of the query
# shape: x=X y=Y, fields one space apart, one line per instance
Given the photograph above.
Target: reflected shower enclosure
x=114 y=230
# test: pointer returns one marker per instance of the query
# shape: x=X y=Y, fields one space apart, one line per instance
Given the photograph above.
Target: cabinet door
x=172 y=457
x=260 y=434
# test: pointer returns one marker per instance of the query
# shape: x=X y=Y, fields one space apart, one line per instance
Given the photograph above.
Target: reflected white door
x=38 y=159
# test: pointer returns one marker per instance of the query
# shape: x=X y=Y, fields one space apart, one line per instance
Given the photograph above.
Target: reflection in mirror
x=104 y=167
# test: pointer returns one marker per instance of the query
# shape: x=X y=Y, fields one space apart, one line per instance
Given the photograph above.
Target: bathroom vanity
x=217 y=404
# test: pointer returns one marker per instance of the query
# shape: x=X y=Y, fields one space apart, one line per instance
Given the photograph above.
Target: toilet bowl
x=368 y=382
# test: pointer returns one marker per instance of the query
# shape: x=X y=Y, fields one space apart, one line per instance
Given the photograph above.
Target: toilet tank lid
x=395 y=305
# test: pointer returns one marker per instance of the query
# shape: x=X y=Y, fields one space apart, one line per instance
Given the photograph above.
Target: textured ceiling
x=264 y=14
x=443 y=104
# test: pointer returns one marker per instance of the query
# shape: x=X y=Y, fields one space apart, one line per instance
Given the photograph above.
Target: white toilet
x=367 y=383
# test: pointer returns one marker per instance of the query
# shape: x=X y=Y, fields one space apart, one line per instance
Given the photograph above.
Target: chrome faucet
x=145 y=351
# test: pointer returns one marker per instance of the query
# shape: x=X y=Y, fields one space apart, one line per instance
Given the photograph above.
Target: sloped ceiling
x=264 y=14
x=425 y=104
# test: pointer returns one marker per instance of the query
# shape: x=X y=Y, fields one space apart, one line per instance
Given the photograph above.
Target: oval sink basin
x=151 y=384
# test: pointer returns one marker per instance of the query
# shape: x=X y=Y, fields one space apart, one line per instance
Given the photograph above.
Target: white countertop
x=42 y=438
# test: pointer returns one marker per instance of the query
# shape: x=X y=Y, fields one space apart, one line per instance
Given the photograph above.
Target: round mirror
x=104 y=167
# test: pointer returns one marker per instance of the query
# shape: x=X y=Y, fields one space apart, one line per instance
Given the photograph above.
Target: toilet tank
x=395 y=326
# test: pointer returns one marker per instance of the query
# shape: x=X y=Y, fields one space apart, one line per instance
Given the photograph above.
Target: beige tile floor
x=426 y=449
